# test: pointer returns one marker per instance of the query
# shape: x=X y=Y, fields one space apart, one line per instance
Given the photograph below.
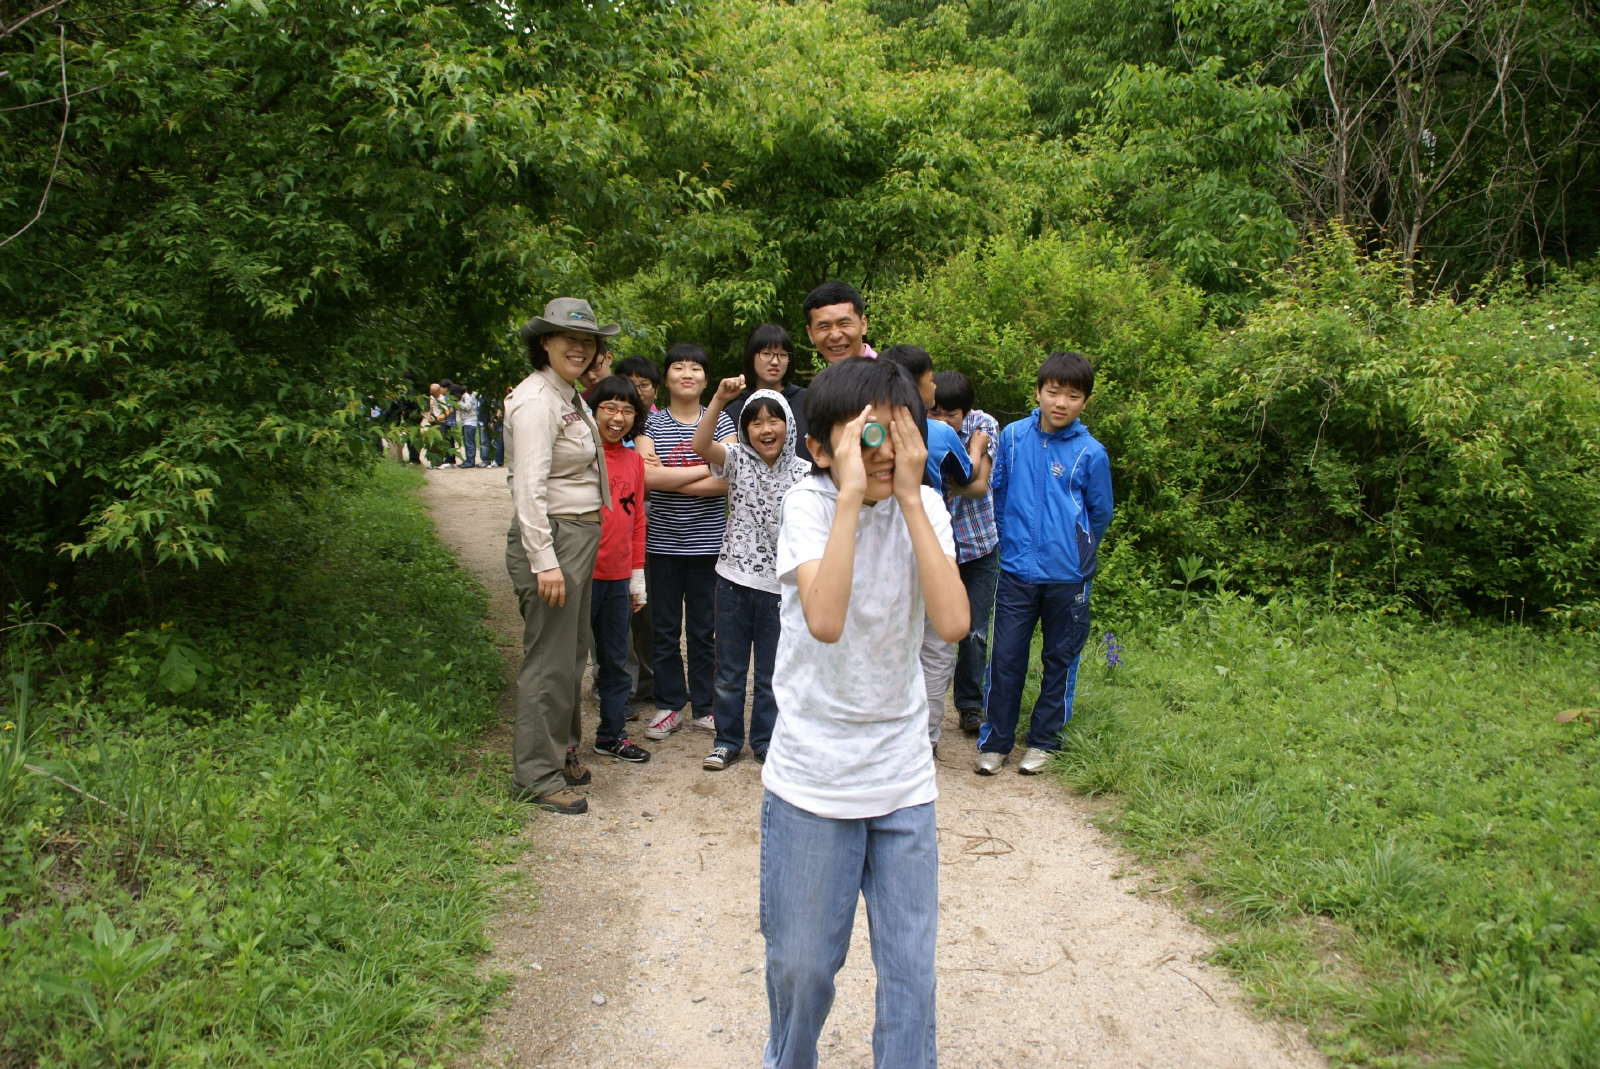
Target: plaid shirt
x=972 y=518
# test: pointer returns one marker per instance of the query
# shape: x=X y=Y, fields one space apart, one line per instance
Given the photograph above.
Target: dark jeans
x=683 y=590
x=608 y=617
x=469 y=445
x=1063 y=608
x=746 y=618
x=972 y=654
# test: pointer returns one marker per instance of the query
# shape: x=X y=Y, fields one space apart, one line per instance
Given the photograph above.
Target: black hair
x=767 y=336
x=688 y=350
x=754 y=407
x=839 y=393
x=914 y=358
x=1067 y=369
x=538 y=359
x=832 y=293
x=617 y=388
x=641 y=366
x=952 y=391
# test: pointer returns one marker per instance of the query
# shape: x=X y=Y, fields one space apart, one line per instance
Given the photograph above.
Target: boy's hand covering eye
x=849 y=471
x=728 y=389
x=910 y=454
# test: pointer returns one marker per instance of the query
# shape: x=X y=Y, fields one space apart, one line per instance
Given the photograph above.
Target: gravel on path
x=634 y=942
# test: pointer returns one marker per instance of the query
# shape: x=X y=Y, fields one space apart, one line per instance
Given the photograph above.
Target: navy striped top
x=681 y=524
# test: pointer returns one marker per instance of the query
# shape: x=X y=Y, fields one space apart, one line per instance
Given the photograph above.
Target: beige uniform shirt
x=555 y=463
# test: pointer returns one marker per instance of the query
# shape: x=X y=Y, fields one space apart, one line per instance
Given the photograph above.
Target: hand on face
x=848 y=465
x=910 y=454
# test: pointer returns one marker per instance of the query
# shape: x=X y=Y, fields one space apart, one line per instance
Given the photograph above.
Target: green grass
x=296 y=868
x=1399 y=841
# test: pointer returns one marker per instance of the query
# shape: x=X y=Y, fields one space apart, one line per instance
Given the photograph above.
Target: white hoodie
x=755 y=503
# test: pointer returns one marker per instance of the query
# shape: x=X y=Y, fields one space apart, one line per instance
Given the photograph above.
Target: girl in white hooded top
x=759 y=467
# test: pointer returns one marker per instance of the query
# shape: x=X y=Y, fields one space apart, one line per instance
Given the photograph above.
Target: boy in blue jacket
x=1052 y=500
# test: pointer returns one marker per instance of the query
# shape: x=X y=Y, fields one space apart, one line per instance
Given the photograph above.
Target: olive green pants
x=555 y=652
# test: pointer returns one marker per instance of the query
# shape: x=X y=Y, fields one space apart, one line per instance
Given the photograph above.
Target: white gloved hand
x=636 y=586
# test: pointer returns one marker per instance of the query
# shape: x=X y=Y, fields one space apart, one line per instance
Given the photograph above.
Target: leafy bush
x=1392 y=822
x=1345 y=438
x=279 y=861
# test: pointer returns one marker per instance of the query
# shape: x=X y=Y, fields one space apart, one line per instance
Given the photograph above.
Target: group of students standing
x=852 y=539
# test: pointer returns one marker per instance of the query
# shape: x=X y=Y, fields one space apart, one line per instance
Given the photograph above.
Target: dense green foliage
x=1394 y=829
x=282 y=862
x=1343 y=438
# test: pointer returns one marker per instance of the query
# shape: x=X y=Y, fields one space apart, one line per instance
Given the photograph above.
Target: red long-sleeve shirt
x=622 y=525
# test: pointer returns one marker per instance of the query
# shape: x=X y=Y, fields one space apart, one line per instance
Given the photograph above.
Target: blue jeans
x=469 y=445
x=683 y=592
x=1063 y=608
x=812 y=869
x=746 y=617
x=608 y=618
x=972 y=654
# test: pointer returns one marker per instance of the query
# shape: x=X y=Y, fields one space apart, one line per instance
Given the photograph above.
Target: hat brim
x=539 y=325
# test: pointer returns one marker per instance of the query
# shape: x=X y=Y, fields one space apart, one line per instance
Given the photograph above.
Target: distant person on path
x=864 y=556
x=619 y=590
x=467 y=419
x=836 y=322
x=687 y=520
x=759 y=467
x=1052 y=498
x=555 y=463
x=769 y=365
x=977 y=538
x=951 y=471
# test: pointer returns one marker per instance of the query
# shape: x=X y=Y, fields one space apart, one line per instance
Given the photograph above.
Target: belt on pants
x=581 y=517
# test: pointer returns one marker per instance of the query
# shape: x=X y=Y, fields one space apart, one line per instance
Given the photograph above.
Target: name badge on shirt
x=572 y=417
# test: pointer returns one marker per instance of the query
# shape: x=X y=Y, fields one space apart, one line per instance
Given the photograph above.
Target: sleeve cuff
x=543 y=562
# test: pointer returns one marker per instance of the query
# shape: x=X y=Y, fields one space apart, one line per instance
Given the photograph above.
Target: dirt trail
x=1046 y=957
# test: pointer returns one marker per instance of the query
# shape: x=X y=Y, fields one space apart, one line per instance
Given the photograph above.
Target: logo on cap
x=585 y=316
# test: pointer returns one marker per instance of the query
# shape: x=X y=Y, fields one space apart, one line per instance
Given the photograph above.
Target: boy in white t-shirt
x=864 y=553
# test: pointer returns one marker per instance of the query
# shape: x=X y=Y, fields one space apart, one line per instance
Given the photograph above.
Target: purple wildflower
x=1113 y=648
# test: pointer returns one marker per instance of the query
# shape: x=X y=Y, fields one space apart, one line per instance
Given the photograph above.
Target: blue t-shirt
x=947 y=457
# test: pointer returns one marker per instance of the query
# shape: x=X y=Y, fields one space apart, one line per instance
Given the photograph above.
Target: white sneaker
x=988 y=764
x=1034 y=761
x=665 y=723
x=704 y=723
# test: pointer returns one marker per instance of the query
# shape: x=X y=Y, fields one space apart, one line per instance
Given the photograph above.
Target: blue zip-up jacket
x=1052 y=500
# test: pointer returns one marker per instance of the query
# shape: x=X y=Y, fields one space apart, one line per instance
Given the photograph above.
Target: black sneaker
x=718 y=759
x=622 y=750
x=575 y=774
x=761 y=757
x=971 y=720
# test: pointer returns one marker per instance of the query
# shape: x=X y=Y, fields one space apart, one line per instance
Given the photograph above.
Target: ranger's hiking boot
x=988 y=764
x=575 y=774
x=1034 y=761
x=566 y=801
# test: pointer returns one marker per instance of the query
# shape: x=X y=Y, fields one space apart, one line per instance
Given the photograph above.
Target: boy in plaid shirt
x=977 y=538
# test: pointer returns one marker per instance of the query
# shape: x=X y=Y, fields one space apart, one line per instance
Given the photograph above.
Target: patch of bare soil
x=643 y=950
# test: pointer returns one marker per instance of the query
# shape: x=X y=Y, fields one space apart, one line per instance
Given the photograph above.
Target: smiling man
x=836 y=321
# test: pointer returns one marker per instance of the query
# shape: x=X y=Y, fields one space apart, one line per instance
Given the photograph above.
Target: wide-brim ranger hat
x=566 y=313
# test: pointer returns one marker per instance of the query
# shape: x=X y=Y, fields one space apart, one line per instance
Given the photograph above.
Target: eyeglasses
x=617 y=408
x=772 y=354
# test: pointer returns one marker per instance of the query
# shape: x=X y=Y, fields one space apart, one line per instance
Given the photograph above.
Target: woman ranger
x=556 y=466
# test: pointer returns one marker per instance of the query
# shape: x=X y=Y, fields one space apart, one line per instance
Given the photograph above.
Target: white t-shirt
x=851 y=739
x=467 y=410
